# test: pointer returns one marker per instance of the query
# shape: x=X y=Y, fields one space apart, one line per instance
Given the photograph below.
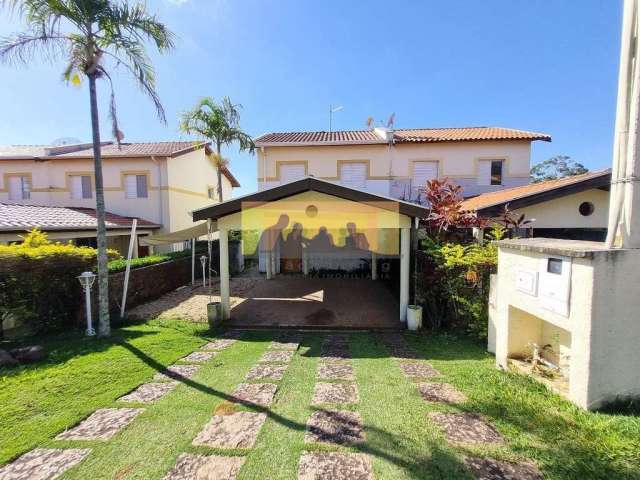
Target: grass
x=37 y=402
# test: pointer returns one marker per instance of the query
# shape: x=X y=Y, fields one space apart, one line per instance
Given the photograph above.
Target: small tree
x=560 y=166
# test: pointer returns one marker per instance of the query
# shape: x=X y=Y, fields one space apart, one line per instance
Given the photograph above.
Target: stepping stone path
x=277 y=356
x=102 y=424
x=466 y=428
x=335 y=348
x=441 y=392
x=335 y=393
x=286 y=342
x=177 y=372
x=414 y=369
x=334 y=427
x=490 y=469
x=199 y=357
x=149 y=392
x=219 y=344
x=238 y=430
x=43 y=463
x=398 y=346
x=271 y=372
x=335 y=466
x=335 y=371
x=256 y=393
x=205 y=467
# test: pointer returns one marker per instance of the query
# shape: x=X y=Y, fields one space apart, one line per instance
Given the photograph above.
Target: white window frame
x=350 y=183
x=484 y=175
x=130 y=188
x=416 y=184
x=77 y=184
x=24 y=189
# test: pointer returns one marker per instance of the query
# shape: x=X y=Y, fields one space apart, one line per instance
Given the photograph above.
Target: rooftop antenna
x=333 y=110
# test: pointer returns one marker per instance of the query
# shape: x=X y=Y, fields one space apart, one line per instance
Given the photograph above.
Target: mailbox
x=554 y=286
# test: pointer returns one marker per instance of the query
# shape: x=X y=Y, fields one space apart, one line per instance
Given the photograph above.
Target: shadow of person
x=355 y=240
x=271 y=237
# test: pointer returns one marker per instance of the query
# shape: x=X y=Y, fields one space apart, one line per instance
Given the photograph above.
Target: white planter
x=414 y=317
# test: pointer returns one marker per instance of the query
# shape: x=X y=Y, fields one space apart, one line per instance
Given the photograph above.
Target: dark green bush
x=120 y=264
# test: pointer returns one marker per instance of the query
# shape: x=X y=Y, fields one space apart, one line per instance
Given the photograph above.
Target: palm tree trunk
x=104 y=327
x=219 y=174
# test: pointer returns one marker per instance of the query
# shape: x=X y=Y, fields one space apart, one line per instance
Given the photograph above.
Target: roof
x=407 y=135
x=518 y=197
x=108 y=150
x=303 y=185
x=19 y=217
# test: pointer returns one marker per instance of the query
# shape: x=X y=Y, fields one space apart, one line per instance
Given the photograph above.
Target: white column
x=224 y=273
x=374 y=266
x=268 y=264
x=405 y=254
x=305 y=261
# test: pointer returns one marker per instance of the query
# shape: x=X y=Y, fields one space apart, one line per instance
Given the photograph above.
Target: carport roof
x=234 y=205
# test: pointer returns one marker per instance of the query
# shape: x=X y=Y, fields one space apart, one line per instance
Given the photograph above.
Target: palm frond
x=23 y=47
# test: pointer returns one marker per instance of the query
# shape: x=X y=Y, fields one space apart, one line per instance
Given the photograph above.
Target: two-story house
x=159 y=183
x=397 y=163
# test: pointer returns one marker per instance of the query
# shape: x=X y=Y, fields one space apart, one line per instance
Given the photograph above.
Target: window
x=81 y=186
x=354 y=175
x=422 y=173
x=19 y=187
x=292 y=172
x=586 y=209
x=135 y=186
x=490 y=172
x=211 y=192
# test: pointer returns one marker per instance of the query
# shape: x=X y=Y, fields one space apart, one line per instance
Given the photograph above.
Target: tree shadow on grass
x=440 y=463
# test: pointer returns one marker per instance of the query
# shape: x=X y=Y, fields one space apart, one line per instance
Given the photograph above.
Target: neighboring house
x=65 y=224
x=161 y=182
x=574 y=207
x=398 y=163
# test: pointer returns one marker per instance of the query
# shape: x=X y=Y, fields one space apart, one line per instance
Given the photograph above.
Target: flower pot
x=214 y=314
x=414 y=317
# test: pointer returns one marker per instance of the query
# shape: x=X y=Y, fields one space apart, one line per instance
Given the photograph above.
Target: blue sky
x=542 y=65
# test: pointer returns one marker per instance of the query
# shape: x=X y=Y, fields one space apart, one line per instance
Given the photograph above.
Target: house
x=398 y=162
x=63 y=224
x=573 y=207
x=161 y=182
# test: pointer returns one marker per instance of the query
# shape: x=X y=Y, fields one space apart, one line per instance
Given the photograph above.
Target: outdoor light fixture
x=203 y=261
x=86 y=279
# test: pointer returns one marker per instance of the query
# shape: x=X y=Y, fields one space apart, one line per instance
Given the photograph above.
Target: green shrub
x=120 y=264
x=39 y=291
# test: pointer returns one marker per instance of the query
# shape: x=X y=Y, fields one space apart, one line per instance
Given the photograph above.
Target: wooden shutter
x=130 y=186
x=484 y=172
x=354 y=175
x=291 y=173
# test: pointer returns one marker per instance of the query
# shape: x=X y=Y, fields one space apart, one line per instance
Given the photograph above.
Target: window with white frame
x=422 y=173
x=19 y=187
x=135 y=186
x=212 y=192
x=292 y=172
x=490 y=172
x=354 y=175
x=81 y=186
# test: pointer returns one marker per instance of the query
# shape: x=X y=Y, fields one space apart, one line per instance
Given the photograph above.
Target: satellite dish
x=58 y=142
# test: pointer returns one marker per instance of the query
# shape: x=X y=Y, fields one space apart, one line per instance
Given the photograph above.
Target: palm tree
x=91 y=36
x=219 y=123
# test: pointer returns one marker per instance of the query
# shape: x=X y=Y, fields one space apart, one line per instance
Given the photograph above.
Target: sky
x=542 y=65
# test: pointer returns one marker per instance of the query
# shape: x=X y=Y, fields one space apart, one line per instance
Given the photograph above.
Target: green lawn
x=82 y=375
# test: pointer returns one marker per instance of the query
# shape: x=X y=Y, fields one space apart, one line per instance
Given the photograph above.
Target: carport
x=321 y=246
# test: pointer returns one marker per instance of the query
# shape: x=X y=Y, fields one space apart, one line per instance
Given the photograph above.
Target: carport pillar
x=224 y=273
x=374 y=266
x=405 y=255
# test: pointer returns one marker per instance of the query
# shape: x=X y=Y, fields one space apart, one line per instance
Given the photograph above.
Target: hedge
x=120 y=264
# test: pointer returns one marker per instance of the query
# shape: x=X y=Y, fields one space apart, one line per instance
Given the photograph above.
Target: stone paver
x=399 y=347
x=149 y=392
x=231 y=334
x=219 y=344
x=43 y=463
x=205 y=467
x=177 y=372
x=238 y=430
x=281 y=356
x=334 y=426
x=257 y=393
x=466 y=428
x=490 y=469
x=199 y=357
x=335 y=371
x=271 y=372
x=336 y=339
x=334 y=466
x=102 y=424
x=284 y=345
x=415 y=369
x=335 y=393
x=334 y=352
x=441 y=392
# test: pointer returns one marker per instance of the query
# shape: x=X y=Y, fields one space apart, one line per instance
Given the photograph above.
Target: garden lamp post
x=203 y=261
x=86 y=279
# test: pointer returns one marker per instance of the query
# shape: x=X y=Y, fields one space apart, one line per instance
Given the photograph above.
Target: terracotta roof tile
x=406 y=135
x=159 y=149
x=19 y=217
x=501 y=197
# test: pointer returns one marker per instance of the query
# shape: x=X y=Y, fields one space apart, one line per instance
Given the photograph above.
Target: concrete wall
x=456 y=160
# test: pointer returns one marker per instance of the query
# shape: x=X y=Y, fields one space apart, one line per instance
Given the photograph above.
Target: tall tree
x=219 y=123
x=92 y=36
x=556 y=167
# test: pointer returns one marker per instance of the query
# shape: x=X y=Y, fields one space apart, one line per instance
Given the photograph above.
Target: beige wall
x=563 y=212
x=456 y=160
